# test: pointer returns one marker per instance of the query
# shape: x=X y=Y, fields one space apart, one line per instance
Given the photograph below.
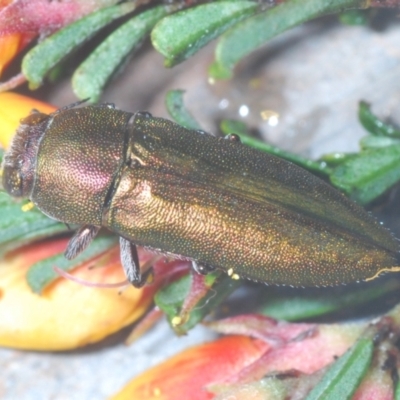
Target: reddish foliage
x=40 y=16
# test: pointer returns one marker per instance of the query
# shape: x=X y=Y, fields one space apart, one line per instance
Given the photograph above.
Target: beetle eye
x=12 y=181
x=34 y=118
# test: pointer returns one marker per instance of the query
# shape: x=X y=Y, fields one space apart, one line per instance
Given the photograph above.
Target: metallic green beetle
x=191 y=195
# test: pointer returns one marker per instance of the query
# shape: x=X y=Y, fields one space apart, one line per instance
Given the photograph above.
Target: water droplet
x=271 y=116
x=223 y=104
x=244 y=110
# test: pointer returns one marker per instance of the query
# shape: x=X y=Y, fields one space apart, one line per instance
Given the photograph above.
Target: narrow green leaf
x=294 y=306
x=92 y=75
x=170 y=300
x=354 y=17
x=18 y=228
x=335 y=159
x=376 y=142
x=368 y=175
x=373 y=124
x=321 y=168
x=397 y=392
x=228 y=126
x=255 y=31
x=177 y=110
x=179 y=36
x=42 y=273
x=43 y=57
x=221 y=289
x=344 y=376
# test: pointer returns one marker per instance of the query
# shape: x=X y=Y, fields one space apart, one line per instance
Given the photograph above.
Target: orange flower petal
x=223 y=367
x=186 y=375
x=66 y=315
x=13 y=107
x=4 y=3
x=10 y=46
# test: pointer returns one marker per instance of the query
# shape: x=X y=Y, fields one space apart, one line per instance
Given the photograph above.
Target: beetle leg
x=82 y=238
x=130 y=264
x=202 y=268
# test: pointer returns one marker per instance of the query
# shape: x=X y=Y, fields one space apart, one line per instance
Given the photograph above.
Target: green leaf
x=376 y=142
x=367 y=176
x=344 y=376
x=43 y=57
x=178 y=111
x=179 y=36
x=92 y=75
x=170 y=299
x=294 y=306
x=229 y=126
x=18 y=228
x=373 y=124
x=255 y=31
x=335 y=159
x=354 y=17
x=397 y=392
x=42 y=273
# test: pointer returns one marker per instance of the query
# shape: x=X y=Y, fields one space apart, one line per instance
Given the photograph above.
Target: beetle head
x=20 y=160
x=66 y=162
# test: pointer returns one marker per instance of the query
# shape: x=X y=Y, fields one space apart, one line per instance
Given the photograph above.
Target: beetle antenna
x=72 y=105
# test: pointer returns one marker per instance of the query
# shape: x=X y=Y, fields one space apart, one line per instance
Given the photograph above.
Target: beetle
x=190 y=195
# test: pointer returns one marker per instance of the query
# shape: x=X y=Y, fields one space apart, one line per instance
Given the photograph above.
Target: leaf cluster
x=176 y=33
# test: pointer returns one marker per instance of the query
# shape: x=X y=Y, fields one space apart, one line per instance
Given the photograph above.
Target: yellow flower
x=66 y=315
x=13 y=107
